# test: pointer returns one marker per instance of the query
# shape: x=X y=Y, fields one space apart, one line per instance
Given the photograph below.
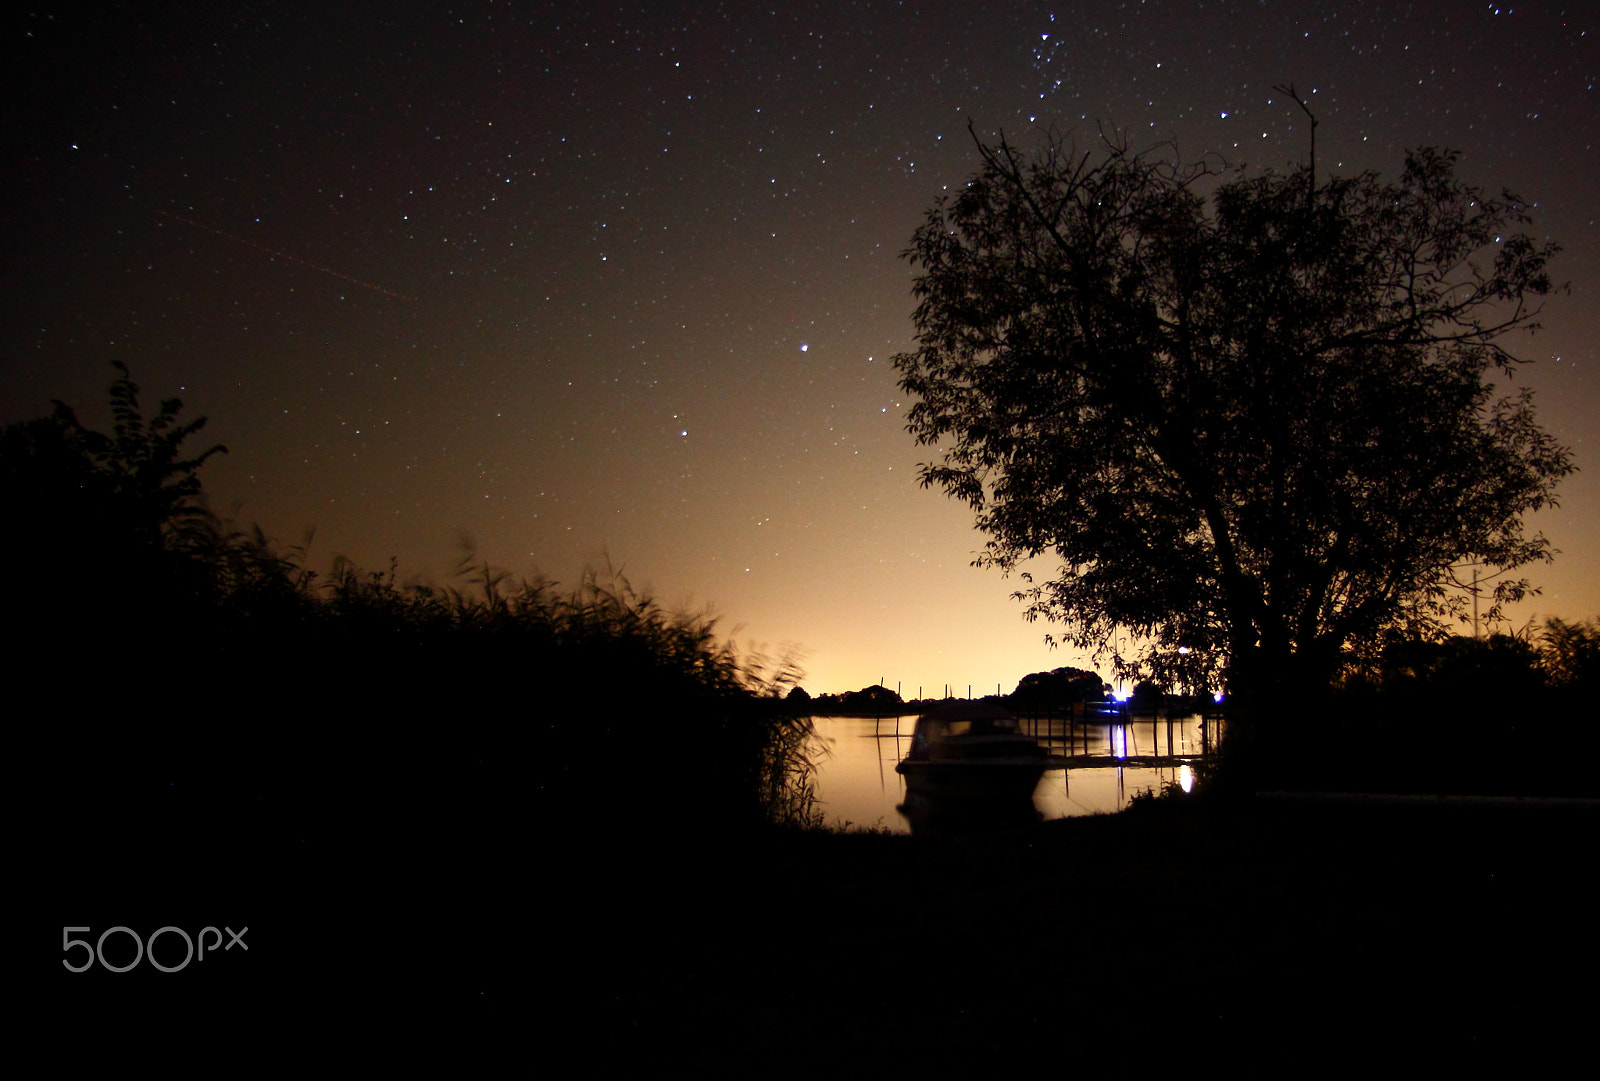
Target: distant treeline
x=1508 y=714
x=1555 y=665
x=1058 y=692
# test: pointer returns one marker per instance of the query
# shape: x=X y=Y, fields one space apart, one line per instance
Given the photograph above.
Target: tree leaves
x=1247 y=414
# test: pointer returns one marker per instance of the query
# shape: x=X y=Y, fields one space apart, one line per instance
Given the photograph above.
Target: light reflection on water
x=856 y=782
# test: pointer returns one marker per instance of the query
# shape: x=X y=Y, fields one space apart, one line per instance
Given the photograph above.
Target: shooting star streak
x=284 y=255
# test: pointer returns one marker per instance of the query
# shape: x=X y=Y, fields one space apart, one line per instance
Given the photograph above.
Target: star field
x=577 y=280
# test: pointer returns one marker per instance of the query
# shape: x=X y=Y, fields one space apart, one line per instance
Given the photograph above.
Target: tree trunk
x=1277 y=698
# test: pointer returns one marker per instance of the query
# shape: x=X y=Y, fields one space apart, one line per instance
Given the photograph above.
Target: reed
x=583 y=681
x=537 y=693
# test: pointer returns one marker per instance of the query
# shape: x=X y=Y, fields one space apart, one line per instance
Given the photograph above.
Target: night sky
x=586 y=279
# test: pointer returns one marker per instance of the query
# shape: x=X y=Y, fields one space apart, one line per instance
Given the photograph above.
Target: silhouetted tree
x=1057 y=689
x=105 y=531
x=1250 y=415
x=1461 y=674
x=1569 y=653
x=156 y=489
x=873 y=699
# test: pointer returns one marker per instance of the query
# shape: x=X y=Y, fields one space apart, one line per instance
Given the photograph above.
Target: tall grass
x=579 y=684
x=533 y=697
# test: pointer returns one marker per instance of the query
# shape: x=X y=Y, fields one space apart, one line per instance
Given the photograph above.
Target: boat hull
x=974 y=779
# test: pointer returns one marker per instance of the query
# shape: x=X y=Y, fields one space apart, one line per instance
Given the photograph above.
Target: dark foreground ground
x=1290 y=934
x=1286 y=934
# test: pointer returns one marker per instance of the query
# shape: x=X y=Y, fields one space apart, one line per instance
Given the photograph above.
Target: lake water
x=857 y=786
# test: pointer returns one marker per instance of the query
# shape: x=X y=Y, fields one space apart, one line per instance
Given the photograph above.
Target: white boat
x=973 y=750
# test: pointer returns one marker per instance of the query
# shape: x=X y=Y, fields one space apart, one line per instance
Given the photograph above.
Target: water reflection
x=948 y=812
x=857 y=785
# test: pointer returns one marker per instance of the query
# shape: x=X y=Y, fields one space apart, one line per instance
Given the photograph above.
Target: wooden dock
x=1093 y=741
x=1131 y=761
